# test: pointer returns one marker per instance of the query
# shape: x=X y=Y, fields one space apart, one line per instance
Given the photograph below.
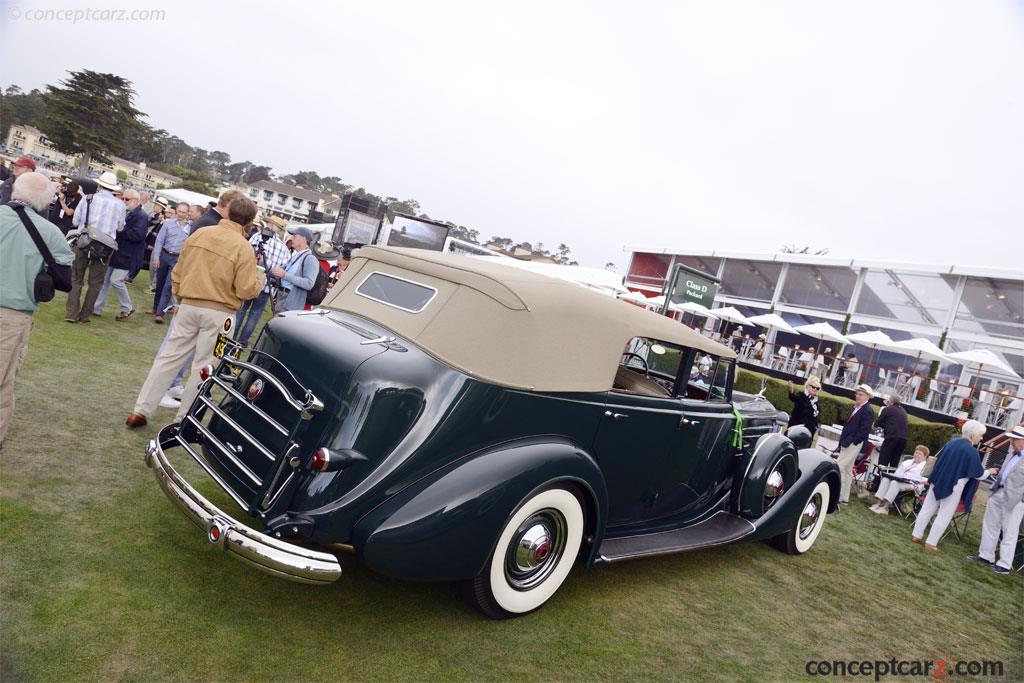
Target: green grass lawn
x=103 y=579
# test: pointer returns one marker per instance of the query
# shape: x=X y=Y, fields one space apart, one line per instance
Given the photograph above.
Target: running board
x=720 y=528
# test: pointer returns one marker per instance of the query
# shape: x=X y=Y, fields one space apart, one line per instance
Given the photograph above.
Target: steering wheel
x=647 y=368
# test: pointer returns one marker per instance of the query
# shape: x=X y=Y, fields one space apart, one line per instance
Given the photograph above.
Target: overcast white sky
x=886 y=129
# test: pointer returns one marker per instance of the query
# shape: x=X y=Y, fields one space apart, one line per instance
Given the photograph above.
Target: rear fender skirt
x=815 y=466
x=444 y=527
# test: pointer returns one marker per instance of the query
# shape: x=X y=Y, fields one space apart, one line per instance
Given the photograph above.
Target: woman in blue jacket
x=958 y=462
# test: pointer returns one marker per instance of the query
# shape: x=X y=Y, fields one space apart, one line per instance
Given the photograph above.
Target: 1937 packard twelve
x=450 y=418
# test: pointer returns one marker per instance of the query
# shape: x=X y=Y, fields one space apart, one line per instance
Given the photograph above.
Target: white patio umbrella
x=874 y=340
x=822 y=332
x=920 y=347
x=694 y=308
x=768 y=320
x=656 y=302
x=730 y=314
x=635 y=297
x=980 y=358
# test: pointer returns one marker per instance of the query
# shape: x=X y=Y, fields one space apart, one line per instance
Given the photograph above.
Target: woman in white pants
x=911 y=469
x=957 y=462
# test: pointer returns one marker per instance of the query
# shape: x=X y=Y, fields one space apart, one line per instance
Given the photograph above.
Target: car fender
x=770 y=452
x=444 y=526
x=814 y=467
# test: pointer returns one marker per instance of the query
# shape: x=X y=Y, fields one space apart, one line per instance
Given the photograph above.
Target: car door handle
x=615 y=416
x=684 y=421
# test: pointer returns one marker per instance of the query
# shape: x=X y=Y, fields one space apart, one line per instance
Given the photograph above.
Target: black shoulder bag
x=52 y=275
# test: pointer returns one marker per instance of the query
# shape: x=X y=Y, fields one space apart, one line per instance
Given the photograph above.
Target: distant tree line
x=93 y=115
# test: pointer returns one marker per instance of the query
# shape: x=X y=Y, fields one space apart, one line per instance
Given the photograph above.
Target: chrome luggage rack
x=226 y=375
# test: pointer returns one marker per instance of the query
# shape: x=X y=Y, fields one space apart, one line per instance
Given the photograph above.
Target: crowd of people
x=952 y=481
x=212 y=269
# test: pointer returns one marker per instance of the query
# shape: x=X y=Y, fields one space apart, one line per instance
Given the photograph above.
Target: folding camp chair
x=961 y=518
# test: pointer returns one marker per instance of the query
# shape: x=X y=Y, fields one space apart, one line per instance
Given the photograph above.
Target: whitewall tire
x=809 y=522
x=534 y=554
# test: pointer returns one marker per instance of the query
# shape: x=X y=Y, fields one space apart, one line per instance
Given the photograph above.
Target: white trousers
x=890 y=488
x=195 y=329
x=847 y=456
x=943 y=511
x=1001 y=516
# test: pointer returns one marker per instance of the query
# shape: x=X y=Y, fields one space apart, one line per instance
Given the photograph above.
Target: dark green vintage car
x=449 y=418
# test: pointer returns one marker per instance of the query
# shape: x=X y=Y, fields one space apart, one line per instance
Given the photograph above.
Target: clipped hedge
x=835 y=409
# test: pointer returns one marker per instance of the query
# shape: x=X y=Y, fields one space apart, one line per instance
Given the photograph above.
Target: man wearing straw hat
x=99 y=218
x=855 y=432
x=1005 y=508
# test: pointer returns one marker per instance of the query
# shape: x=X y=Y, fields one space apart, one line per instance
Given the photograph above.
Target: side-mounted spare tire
x=533 y=555
x=771 y=471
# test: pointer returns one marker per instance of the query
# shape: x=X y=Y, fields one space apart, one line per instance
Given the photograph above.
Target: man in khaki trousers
x=20 y=262
x=215 y=273
x=855 y=432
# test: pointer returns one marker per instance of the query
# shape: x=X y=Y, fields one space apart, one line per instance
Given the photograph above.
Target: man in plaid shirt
x=271 y=253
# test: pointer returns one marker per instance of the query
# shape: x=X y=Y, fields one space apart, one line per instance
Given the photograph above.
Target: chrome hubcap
x=773 y=488
x=535 y=549
x=810 y=516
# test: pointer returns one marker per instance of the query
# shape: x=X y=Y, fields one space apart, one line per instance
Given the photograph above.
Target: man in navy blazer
x=851 y=440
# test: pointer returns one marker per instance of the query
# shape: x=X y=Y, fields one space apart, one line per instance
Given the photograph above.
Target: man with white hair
x=855 y=432
x=131 y=249
x=20 y=262
x=1005 y=509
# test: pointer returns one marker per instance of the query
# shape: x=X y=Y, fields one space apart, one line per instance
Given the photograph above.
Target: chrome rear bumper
x=264 y=552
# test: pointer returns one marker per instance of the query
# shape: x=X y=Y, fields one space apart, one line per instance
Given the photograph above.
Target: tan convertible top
x=506 y=325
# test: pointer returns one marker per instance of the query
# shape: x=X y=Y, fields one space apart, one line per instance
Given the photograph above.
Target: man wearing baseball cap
x=299 y=274
x=1005 y=508
x=19 y=166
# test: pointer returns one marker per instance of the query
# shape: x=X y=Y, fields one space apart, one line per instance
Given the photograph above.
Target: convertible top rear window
x=395 y=291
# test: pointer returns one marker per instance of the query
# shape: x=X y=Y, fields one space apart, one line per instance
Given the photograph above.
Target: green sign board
x=690 y=284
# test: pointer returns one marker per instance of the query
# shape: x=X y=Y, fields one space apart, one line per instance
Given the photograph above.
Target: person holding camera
x=298 y=275
x=62 y=211
x=271 y=253
x=100 y=219
x=21 y=261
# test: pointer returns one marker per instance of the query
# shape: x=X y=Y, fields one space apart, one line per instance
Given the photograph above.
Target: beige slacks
x=15 y=327
x=194 y=329
x=847 y=456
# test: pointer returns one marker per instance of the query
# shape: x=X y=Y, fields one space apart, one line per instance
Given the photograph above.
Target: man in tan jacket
x=215 y=273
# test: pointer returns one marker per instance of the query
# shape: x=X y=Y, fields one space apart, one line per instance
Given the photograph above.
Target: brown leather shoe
x=915 y=539
x=931 y=548
x=136 y=420
x=158 y=320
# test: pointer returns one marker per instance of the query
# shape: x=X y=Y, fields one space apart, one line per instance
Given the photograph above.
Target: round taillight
x=205 y=372
x=320 y=459
x=255 y=389
x=214 y=534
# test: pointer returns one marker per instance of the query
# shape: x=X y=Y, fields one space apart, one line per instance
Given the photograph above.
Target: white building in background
x=29 y=141
x=958 y=307
x=137 y=175
x=290 y=202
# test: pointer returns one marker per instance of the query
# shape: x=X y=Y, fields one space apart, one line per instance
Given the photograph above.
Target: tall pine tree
x=91 y=114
